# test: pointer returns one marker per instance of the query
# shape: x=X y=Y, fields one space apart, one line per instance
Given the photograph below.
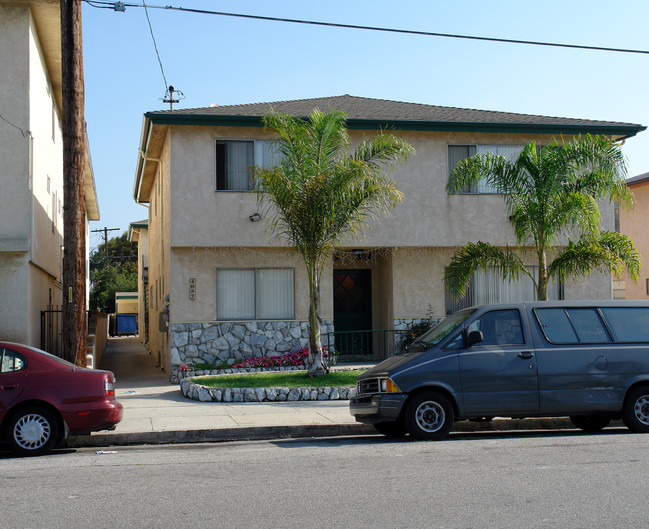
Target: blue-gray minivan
x=588 y=360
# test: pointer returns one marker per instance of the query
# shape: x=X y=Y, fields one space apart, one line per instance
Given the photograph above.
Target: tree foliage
x=551 y=193
x=118 y=275
x=322 y=194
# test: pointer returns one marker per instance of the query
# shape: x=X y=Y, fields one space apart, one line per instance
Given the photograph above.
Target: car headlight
x=387 y=386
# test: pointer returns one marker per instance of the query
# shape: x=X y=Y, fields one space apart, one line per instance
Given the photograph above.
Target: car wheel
x=33 y=431
x=429 y=415
x=590 y=423
x=390 y=429
x=635 y=413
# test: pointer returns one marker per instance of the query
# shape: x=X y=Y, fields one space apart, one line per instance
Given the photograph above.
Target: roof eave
x=621 y=131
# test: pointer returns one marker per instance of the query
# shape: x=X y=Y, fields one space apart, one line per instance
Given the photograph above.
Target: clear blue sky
x=223 y=60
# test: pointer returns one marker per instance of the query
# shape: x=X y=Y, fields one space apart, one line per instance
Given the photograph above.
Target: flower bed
x=286 y=362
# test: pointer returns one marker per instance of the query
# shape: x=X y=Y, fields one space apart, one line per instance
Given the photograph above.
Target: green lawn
x=280 y=379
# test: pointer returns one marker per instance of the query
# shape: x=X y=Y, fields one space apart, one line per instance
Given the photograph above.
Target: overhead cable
x=122 y=5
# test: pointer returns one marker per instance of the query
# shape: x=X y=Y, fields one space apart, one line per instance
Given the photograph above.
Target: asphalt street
x=562 y=479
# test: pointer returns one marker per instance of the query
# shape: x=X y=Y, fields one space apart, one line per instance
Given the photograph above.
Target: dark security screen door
x=353 y=311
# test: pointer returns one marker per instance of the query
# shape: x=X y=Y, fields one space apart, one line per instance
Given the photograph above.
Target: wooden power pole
x=74 y=209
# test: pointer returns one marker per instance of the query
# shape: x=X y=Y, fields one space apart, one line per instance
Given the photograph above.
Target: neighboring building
x=232 y=290
x=634 y=222
x=31 y=170
x=138 y=232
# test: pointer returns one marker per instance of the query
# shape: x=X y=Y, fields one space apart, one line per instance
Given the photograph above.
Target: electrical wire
x=14 y=126
x=94 y=3
x=155 y=45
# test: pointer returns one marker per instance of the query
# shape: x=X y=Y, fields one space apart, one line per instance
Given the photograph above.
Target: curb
x=261 y=433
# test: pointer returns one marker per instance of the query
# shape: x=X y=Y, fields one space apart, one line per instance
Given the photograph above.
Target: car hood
x=390 y=364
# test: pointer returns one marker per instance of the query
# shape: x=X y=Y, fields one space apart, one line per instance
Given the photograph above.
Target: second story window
x=456 y=153
x=235 y=160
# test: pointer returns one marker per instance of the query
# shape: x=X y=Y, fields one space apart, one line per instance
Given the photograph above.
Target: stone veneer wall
x=229 y=342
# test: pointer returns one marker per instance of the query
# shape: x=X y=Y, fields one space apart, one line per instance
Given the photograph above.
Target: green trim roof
x=370 y=114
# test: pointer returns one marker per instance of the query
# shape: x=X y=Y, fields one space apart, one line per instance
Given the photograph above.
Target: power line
x=155 y=45
x=120 y=6
x=14 y=126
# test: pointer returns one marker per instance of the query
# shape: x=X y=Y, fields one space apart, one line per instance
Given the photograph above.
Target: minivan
x=588 y=360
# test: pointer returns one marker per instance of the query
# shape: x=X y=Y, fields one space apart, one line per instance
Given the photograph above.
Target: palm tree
x=550 y=192
x=320 y=194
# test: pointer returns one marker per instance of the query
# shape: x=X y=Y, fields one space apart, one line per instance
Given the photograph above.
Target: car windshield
x=444 y=328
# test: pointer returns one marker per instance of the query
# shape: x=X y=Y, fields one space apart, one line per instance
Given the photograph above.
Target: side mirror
x=474 y=338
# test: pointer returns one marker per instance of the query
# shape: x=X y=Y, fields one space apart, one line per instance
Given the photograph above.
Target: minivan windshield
x=444 y=328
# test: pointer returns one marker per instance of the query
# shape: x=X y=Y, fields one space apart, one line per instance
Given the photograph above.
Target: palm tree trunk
x=316 y=366
x=542 y=285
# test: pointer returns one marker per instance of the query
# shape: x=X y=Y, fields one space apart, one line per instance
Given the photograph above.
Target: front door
x=353 y=312
x=500 y=375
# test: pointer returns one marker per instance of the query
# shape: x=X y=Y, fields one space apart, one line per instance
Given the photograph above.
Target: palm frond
x=477 y=255
x=609 y=252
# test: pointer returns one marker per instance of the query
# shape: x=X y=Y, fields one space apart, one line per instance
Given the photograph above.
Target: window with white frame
x=488 y=286
x=255 y=293
x=456 y=153
x=235 y=160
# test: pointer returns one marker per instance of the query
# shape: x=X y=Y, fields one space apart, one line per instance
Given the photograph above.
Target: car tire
x=394 y=430
x=590 y=423
x=635 y=413
x=429 y=416
x=33 y=431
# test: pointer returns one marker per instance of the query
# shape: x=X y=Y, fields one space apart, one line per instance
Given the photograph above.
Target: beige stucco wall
x=202 y=263
x=31 y=217
x=159 y=283
x=124 y=304
x=142 y=263
x=193 y=230
x=428 y=216
x=634 y=224
x=14 y=147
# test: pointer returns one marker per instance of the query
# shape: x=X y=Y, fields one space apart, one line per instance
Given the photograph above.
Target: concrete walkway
x=155 y=411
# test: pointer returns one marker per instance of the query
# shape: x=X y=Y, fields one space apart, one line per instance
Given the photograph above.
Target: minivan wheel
x=590 y=423
x=33 y=431
x=429 y=415
x=394 y=430
x=635 y=413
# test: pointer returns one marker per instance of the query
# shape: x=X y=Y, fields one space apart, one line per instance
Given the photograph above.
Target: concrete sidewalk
x=155 y=411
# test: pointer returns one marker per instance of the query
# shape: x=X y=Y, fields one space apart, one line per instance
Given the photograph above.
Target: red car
x=43 y=399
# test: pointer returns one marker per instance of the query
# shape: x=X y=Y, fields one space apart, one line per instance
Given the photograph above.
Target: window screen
x=255 y=294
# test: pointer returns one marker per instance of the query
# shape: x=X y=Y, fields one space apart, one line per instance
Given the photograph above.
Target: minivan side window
x=628 y=324
x=572 y=325
x=499 y=327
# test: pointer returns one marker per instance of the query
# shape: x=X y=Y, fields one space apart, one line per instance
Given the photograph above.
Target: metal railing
x=365 y=346
x=52 y=330
x=51 y=337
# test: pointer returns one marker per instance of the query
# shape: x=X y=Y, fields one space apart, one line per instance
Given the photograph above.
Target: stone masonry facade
x=230 y=342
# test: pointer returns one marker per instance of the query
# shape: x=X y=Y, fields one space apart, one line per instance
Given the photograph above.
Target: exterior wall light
x=255 y=217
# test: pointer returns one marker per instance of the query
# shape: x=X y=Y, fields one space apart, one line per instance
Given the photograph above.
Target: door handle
x=7 y=387
x=526 y=355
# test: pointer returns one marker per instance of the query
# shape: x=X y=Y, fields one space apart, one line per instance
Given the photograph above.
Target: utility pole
x=74 y=209
x=169 y=97
x=105 y=230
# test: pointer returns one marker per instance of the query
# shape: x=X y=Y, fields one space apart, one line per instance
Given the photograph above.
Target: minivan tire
x=635 y=413
x=590 y=423
x=394 y=430
x=429 y=415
